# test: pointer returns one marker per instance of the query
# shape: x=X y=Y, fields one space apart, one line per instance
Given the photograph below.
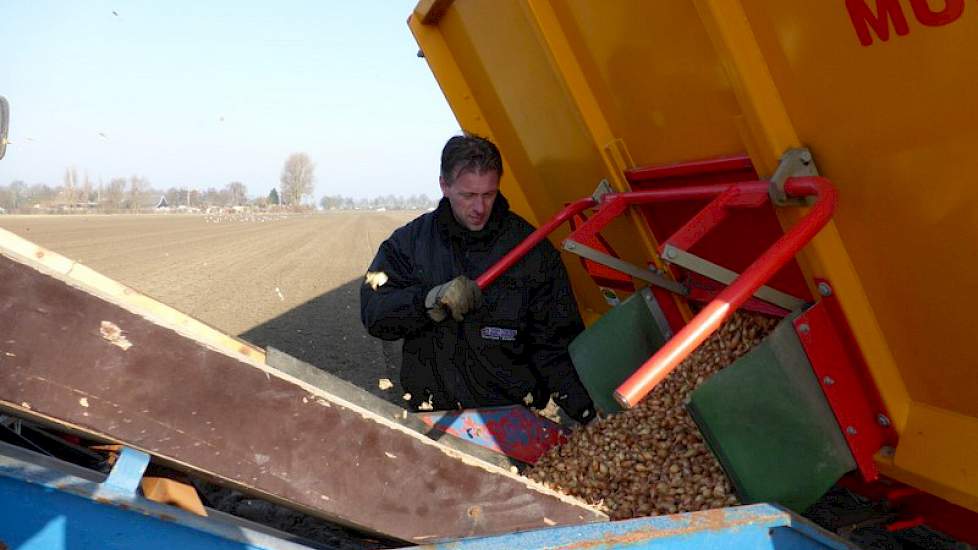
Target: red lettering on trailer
x=952 y=10
x=863 y=18
x=866 y=21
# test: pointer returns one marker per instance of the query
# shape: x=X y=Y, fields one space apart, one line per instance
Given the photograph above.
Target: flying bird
x=103 y=136
x=115 y=13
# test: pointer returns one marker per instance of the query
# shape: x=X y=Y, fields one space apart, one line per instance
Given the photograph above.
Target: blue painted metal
x=127 y=471
x=49 y=505
x=514 y=431
x=755 y=526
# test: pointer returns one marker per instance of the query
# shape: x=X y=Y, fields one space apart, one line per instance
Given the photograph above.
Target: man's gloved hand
x=578 y=406
x=460 y=296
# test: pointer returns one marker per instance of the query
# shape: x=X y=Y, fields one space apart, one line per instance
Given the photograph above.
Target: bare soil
x=288 y=281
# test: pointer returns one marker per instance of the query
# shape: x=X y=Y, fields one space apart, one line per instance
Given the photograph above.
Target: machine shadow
x=326 y=333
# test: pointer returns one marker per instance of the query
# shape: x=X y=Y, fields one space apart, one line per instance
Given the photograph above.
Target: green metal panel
x=768 y=422
x=614 y=347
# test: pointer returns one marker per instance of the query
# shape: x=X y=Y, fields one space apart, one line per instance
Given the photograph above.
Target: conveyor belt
x=100 y=363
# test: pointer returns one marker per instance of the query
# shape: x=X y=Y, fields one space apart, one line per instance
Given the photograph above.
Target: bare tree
x=297 y=178
x=137 y=187
x=115 y=193
x=70 y=189
x=237 y=193
x=18 y=193
x=86 y=190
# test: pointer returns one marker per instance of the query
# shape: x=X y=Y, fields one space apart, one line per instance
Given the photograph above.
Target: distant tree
x=214 y=197
x=273 y=197
x=329 y=202
x=174 y=197
x=115 y=193
x=18 y=194
x=137 y=188
x=87 y=195
x=70 y=188
x=297 y=178
x=6 y=198
x=237 y=193
x=42 y=193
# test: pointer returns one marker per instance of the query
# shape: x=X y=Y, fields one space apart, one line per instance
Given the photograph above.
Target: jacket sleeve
x=396 y=308
x=554 y=323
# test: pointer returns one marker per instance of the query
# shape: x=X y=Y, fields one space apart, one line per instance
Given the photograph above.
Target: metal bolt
x=824 y=289
x=828 y=381
x=851 y=430
x=670 y=253
x=886 y=450
x=806 y=157
x=803 y=328
x=570 y=245
x=882 y=420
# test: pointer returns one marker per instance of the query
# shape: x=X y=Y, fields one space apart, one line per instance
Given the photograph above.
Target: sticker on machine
x=496 y=333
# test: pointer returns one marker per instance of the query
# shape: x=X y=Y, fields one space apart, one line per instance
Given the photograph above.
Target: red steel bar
x=709 y=319
x=687 y=193
x=517 y=253
x=692 y=192
x=695 y=168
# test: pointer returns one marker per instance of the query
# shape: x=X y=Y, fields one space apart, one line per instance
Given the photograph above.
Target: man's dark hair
x=469 y=153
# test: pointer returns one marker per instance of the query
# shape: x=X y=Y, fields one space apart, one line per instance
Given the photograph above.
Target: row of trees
x=387 y=202
x=136 y=192
x=131 y=193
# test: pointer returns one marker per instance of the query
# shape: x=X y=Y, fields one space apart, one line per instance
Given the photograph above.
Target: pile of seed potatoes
x=652 y=459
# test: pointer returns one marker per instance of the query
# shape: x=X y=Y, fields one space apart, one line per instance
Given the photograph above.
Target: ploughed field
x=286 y=280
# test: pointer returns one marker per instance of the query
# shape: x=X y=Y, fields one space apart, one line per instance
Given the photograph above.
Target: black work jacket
x=515 y=345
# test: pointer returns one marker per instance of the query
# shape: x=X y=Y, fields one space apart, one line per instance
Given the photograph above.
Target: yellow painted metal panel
x=655 y=76
x=768 y=133
x=891 y=123
x=575 y=91
x=937 y=453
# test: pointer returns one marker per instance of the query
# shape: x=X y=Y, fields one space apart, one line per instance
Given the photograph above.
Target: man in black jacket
x=464 y=348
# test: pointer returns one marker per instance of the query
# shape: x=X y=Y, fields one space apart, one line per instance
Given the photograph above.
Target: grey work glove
x=460 y=296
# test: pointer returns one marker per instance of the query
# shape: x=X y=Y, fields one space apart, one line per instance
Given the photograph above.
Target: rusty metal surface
x=153 y=389
x=756 y=526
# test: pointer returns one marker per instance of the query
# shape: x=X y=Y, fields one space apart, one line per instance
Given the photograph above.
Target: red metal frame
x=841 y=370
x=915 y=507
x=726 y=303
x=694 y=168
x=601 y=274
x=715 y=212
x=744 y=232
x=709 y=319
x=535 y=238
x=702 y=289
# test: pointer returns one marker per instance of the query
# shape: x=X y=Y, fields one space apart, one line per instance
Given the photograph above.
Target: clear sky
x=199 y=94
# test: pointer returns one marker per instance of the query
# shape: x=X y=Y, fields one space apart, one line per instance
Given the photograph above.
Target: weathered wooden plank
x=358 y=396
x=100 y=363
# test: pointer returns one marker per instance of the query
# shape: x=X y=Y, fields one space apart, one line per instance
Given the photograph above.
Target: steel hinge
x=794 y=163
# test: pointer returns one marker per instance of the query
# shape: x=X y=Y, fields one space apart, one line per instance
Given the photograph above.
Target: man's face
x=471 y=196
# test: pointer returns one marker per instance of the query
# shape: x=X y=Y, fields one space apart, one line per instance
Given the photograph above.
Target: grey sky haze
x=199 y=94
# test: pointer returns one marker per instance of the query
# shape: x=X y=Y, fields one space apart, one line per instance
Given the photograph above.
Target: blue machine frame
x=46 y=504
x=756 y=526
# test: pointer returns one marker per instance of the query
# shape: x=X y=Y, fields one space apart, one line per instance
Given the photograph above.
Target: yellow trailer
x=880 y=92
